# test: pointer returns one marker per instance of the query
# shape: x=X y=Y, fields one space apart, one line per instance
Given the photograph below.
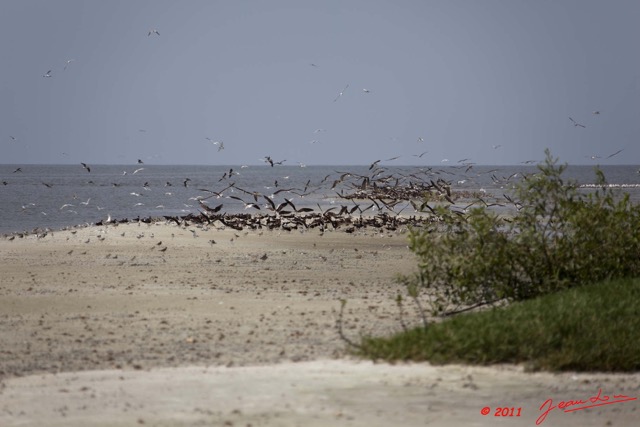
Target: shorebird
x=420 y=139
x=596 y=112
x=135 y=171
x=340 y=94
x=48 y=74
x=576 y=124
x=13 y=138
x=366 y=90
x=17 y=170
x=153 y=31
x=86 y=203
x=421 y=154
x=84 y=165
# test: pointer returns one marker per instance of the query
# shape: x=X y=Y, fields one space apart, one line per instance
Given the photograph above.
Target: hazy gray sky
x=494 y=81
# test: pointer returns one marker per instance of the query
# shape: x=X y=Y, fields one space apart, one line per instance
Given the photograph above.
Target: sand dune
x=162 y=325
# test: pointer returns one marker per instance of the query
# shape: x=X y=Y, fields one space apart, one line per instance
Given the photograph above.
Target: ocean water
x=58 y=196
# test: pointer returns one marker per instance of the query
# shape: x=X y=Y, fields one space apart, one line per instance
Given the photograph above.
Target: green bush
x=589 y=328
x=559 y=237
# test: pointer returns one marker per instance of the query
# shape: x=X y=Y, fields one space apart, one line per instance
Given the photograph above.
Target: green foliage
x=559 y=237
x=589 y=328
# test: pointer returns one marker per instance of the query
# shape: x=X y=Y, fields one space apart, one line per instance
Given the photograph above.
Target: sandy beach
x=156 y=324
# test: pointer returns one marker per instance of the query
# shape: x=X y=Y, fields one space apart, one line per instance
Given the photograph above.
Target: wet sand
x=161 y=325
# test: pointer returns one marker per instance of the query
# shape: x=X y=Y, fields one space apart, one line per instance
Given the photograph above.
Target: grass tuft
x=589 y=328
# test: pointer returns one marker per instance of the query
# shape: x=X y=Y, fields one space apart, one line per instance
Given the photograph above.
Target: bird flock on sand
x=377 y=196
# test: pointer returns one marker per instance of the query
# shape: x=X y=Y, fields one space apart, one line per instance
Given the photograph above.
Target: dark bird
x=17 y=170
x=421 y=154
x=84 y=165
x=575 y=124
x=186 y=182
x=47 y=185
x=153 y=31
x=140 y=162
x=614 y=154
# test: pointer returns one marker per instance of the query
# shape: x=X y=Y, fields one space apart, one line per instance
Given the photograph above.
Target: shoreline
x=158 y=324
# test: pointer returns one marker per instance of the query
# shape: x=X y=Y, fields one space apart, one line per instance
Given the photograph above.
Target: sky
x=490 y=82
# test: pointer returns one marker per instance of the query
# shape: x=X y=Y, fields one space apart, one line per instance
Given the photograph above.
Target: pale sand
x=115 y=332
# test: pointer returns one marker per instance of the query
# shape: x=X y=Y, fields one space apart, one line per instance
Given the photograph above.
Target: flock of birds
x=376 y=196
x=374 y=199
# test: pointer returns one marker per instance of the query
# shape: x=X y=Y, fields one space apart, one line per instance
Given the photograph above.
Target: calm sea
x=57 y=196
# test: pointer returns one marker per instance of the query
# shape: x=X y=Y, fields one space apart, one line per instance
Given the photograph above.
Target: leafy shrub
x=590 y=328
x=560 y=237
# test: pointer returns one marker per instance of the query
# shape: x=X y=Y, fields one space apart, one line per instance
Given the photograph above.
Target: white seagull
x=340 y=94
x=69 y=61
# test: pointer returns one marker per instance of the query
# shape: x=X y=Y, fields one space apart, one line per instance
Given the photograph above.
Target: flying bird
x=153 y=31
x=84 y=165
x=576 y=124
x=137 y=170
x=366 y=90
x=69 y=61
x=140 y=162
x=17 y=170
x=340 y=94
x=48 y=74
x=614 y=154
